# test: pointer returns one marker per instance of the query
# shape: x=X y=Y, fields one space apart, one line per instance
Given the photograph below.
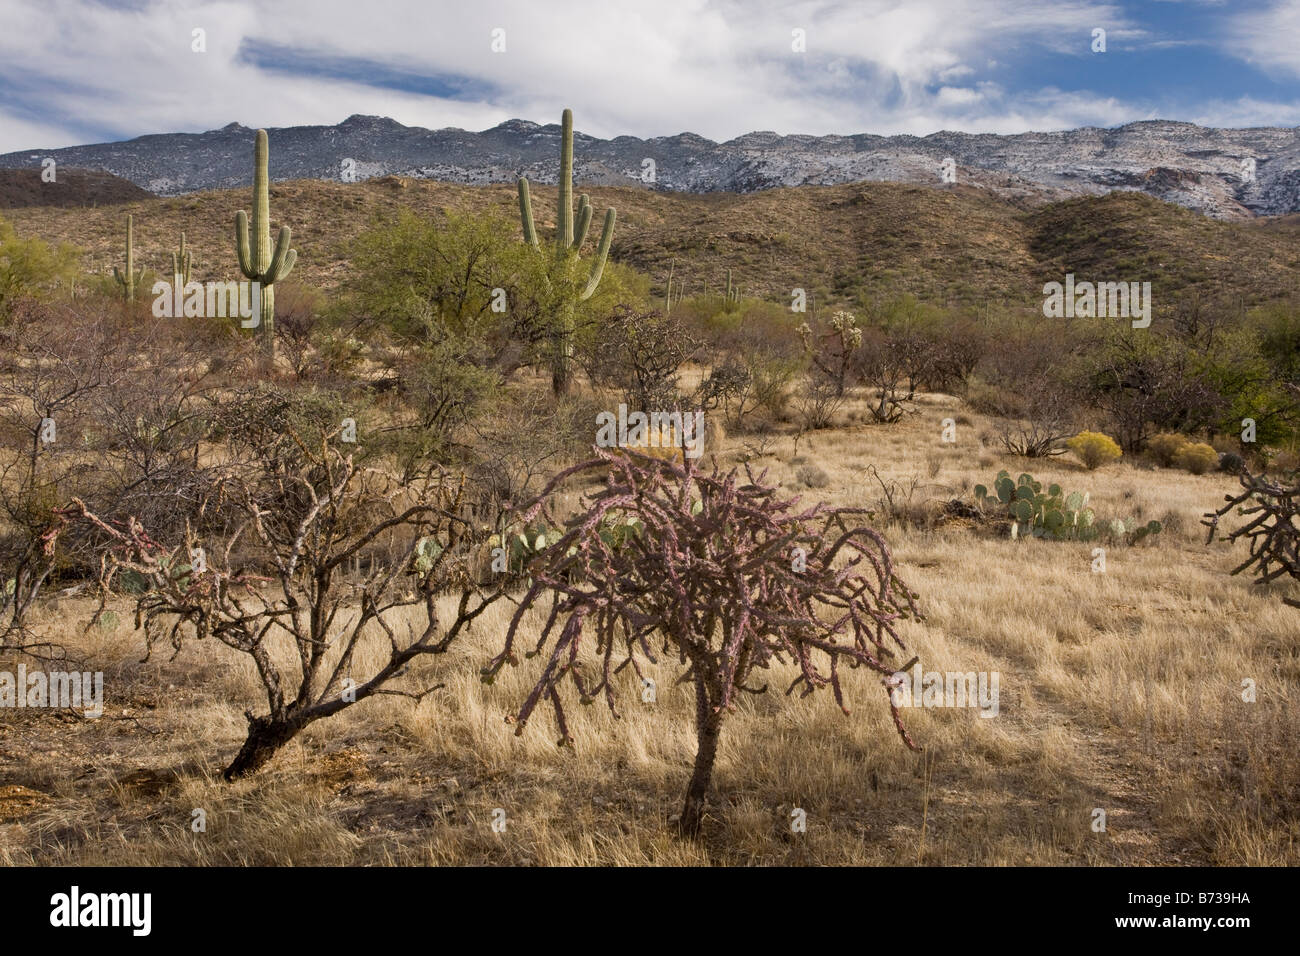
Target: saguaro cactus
x=568 y=241
x=733 y=292
x=128 y=281
x=181 y=264
x=257 y=260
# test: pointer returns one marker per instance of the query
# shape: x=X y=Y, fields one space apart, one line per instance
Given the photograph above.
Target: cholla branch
x=1271 y=506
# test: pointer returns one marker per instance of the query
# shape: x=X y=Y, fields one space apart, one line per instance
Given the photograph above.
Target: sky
x=88 y=71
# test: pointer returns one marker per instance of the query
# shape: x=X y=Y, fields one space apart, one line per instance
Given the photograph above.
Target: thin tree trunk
x=265 y=738
x=708 y=728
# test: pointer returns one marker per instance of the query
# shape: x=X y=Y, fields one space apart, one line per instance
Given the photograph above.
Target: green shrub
x=1093 y=449
x=1165 y=447
x=1197 y=458
x=30 y=267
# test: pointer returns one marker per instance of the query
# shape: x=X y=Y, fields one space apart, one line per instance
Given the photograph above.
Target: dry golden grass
x=1119 y=691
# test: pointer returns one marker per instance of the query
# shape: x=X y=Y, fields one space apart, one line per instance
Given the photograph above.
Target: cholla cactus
x=1273 y=531
x=720 y=572
x=831 y=352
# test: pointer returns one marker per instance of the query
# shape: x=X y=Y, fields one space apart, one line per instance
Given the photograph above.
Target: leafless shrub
x=305 y=522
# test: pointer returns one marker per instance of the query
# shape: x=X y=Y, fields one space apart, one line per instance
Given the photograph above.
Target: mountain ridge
x=1200 y=168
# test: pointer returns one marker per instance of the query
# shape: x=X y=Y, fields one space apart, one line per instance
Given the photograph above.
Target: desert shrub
x=886 y=367
x=723 y=387
x=444 y=385
x=933 y=464
x=52 y=442
x=298 y=324
x=900 y=502
x=308 y=521
x=1231 y=463
x=768 y=581
x=1094 y=449
x=1164 y=448
x=812 y=476
x=417 y=277
x=761 y=350
x=817 y=399
x=31 y=268
x=640 y=355
x=1197 y=458
x=1143 y=381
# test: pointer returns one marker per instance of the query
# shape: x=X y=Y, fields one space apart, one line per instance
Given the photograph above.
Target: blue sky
x=77 y=71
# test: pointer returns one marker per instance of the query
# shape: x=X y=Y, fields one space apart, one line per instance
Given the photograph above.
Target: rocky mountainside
x=1205 y=169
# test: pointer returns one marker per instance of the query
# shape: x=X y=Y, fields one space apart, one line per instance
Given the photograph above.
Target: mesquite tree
x=277 y=578
x=719 y=571
x=1273 y=506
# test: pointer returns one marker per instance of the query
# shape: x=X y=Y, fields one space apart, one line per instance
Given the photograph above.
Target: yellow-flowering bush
x=1093 y=449
x=1165 y=447
x=1197 y=458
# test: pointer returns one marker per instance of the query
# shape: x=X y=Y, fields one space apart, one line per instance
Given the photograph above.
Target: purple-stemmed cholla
x=1273 y=531
x=717 y=569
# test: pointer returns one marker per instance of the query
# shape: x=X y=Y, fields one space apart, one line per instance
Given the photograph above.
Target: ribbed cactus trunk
x=569 y=237
x=181 y=264
x=562 y=345
x=259 y=260
x=128 y=281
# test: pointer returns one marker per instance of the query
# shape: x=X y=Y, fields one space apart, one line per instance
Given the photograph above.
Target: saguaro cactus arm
x=584 y=222
x=246 y=264
x=282 y=260
x=602 y=252
x=526 y=213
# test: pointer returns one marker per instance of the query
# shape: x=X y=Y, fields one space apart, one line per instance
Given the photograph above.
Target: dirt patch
x=17 y=802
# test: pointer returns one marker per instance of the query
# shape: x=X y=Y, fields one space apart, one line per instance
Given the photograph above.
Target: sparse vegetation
x=336 y=515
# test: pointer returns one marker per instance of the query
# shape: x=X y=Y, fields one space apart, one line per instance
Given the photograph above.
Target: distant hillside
x=20 y=188
x=1225 y=173
x=957 y=244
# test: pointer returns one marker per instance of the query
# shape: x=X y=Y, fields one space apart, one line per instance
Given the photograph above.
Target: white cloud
x=642 y=67
x=1267 y=37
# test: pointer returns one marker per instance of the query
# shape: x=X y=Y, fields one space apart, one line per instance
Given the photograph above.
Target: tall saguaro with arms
x=259 y=261
x=568 y=241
